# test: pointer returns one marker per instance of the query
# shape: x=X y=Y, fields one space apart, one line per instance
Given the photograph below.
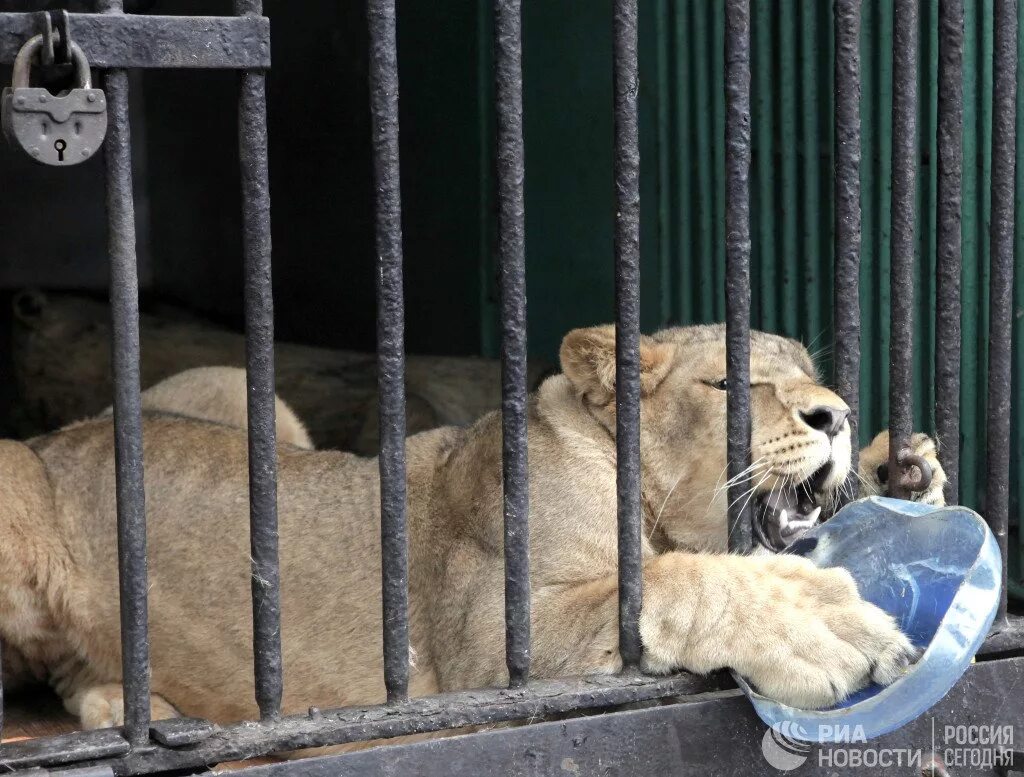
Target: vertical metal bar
x=767 y=180
x=949 y=259
x=259 y=364
x=847 y=219
x=508 y=53
x=131 y=497
x=737 y=264
x=627 y=327
x=901 y=280
x=390 y=348
x=1004 y=140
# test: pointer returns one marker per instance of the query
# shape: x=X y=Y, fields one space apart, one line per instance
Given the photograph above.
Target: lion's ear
x=588 y=360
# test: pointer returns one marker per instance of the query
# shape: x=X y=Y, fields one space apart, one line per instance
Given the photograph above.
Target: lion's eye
x=721 y=385
x=883 y=473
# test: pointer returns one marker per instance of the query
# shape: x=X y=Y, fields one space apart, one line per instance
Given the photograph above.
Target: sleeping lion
x=800 y=634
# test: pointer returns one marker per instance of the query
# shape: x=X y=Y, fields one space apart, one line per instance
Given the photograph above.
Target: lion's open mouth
x=786 y=512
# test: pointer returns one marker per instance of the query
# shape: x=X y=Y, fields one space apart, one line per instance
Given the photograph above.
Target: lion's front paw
x=874 y=468
x=806 y=638
x=102 y=706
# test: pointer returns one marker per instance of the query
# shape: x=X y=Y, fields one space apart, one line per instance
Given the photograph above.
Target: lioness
x=800 y=634
x=218 y=394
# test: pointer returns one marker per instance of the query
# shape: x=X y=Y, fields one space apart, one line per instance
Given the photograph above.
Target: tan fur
x=218 y=394
x=877 y=453
x=801 y=634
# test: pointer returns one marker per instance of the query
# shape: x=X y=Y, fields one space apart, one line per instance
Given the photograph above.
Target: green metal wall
x=569 y=192
x=792 y=196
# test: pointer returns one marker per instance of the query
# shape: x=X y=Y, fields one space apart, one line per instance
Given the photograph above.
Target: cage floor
x=41 y=714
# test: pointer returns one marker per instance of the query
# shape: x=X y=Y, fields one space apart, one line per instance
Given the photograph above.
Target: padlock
x=62 y=129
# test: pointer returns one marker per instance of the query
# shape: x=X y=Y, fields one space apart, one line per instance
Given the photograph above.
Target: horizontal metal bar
x=128 y=41
x=435 y=713
x=353 y=724
x=717 y=736
x=65 y=749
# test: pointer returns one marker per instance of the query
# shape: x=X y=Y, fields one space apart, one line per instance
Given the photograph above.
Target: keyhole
x=60 y=145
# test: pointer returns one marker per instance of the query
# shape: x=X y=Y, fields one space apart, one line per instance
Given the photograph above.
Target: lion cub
x=802 y=635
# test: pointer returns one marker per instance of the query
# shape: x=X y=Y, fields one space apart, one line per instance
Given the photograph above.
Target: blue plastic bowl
x=938 y=571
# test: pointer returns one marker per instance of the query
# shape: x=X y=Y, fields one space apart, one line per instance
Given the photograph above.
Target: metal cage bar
x=901 y=280
x=195 y=743
x=949 y=256
x=131 y=497
x=508 y=55
x=259 y=368
x=737 y=266
x=390 y=349
x=1004 y=140
x=353 y=724
x=627 y=328
x=846 y=290
x=144 y=41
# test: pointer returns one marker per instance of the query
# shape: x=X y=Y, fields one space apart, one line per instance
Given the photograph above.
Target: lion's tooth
x=812 y=516
x=783 y=519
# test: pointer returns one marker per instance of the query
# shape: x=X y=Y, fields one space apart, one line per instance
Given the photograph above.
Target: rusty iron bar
x=846 y=322
x=508 y=54
x=901 y=280
x=949 y=259
x=737 y=267
x=259 y=369
x=390 y=349
x=627 y=328
x=1000 y=354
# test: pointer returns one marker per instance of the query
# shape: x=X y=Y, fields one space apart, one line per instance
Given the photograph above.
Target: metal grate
x=242 y=43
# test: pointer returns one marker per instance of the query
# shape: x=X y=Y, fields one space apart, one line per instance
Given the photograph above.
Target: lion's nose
x=824 y=418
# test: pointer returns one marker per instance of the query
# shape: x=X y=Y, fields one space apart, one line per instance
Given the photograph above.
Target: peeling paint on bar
x=508 y=47
x=949 y=257
x=627 y=328
x=901 y=279
x=390 y=349
x=131 y=497
x=1004 y=140
x=737 y=266
x=846 y=293
x=259 y=368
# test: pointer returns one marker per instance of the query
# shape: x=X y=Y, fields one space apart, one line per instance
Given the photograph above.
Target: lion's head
x=800 y=436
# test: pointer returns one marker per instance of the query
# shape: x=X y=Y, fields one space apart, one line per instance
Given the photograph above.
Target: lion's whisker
x=751 y=471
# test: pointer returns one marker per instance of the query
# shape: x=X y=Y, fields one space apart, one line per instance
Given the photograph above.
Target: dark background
x=188 y=205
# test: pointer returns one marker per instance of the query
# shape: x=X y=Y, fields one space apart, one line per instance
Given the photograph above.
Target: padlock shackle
x=23 y=63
